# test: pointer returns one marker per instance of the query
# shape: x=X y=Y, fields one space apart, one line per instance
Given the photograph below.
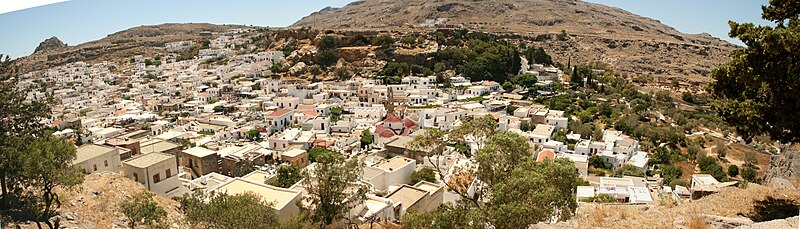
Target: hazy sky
x=79 y=21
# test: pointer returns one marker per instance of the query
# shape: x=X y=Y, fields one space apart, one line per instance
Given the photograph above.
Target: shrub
x=749 y=174
x=733 y=170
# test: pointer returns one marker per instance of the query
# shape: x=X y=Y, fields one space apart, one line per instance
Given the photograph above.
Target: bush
x=670 y=173
x=327 y=57
x=384 y=41
x=629 y=170
x=602 y=198
x=749 y=174
x=597 y=162
x=733 y=170
x=316 y=152
x=424 y=174
x=328 y=42
x=596 y=171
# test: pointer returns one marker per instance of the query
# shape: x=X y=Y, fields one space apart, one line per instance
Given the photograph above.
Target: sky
x=79 y=21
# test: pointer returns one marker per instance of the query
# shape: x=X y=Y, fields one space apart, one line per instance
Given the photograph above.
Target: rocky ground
x=726 y=209
x=94 y=203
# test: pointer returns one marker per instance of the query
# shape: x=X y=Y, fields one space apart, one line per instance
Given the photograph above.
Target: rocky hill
x=119 y=46
x=629 y=42
x=94 y=203
x=52 y=43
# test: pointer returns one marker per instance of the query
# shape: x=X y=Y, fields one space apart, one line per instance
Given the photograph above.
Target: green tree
x=424 y=174
x=140 y=209
x=749 y=174
x=524 y=125
x=754 y=87
x=48 y=166
x=327 y=57
x=287 y=175
x=23 y=121
x=538 y=56
x=597 y=162
x=478 y=130
x=333 y=188
x=510 y=109
x=722 y=149
x=243 y=210
x=574 y=78
x=508 y=86
x=670 y=173
x=525 y=80
x=384 y=41
x=316 y=152
x=366 y=138
x=253 y=134
x=329 y=42
x=517 y=190
x=733 y=170
x=629 y=170
x=342 y=73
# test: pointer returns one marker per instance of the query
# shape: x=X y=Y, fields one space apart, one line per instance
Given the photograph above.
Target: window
x=94 y=167
x=169 y=173
x=156 y=178
x=135 y=177
x=106 y=163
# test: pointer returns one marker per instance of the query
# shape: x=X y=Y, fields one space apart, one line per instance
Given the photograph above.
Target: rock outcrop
x=52 y=43
x=784 y=170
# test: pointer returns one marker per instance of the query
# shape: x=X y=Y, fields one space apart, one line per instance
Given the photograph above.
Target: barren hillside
x=122 y=45
x=630 y=42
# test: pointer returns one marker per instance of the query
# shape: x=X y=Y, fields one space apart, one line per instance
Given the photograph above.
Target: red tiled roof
x=489 y=83
x=546 y=154
x=279 y=112
x=387 y=133
x=305 y=107
x=310 y=114
x=383 y=132
x=393 y=119
x=408 y=122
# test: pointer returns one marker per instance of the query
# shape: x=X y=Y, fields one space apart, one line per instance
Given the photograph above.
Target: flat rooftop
x=407 y=195
x=90 y=151
x=199 y=151
x=279 y=196
x=257 y=176
x=395 y=163
x=293 y=152
x=159 y=146
x=146 y=160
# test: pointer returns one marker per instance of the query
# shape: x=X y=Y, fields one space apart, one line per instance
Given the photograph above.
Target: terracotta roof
x=546 y=154
x=279 y=112
x=460 y=182
x=489 y=83
x=393 y=119
x=309 y=114
x=384 y=132
x=306 y=107
x=408 y=122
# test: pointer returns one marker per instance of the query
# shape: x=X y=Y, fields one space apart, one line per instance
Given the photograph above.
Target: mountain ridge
x=632 y=43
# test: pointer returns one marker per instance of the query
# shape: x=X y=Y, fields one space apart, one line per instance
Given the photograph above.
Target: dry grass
x=598 y=215
x=729 y=202
x=696 y=222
